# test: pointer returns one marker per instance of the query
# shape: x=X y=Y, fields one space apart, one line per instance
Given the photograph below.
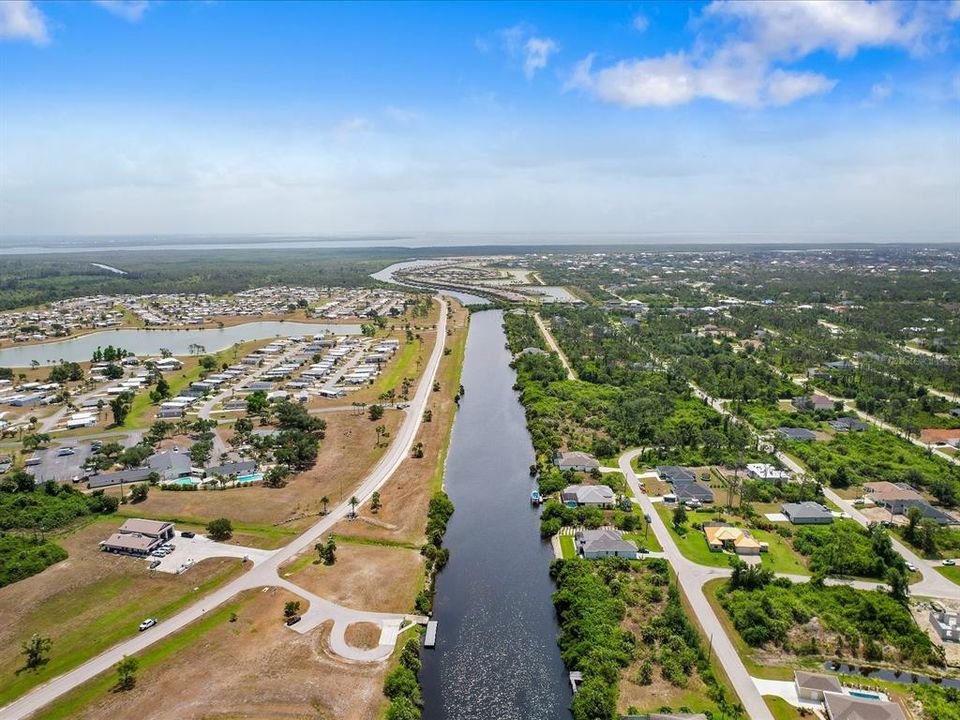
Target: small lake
x=387 y=275
x=496 y=653
x=145 y=342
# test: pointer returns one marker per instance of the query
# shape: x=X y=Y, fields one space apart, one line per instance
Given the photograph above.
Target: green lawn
x=74 y=702
x=566 y=547
x=118 y=622
x=650 y=542
x=403 y=366
x=781 y=709
x=781 y=557
x=951 y=573
x=693 y=545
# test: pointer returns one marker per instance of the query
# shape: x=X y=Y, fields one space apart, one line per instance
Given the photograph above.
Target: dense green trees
x=846 y=549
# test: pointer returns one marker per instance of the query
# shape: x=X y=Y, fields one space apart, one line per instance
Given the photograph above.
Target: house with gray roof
x=689 y=490
x=807 y=513
x=795 y=433
x=122 y=477
x=848 y=424
x=901 y=506
x=580 y=461
x=241 y=467
x=170 y=465
x=593 y=544
x=849 y=707
x=812 y=686
x=672 y=473
x=589 y=496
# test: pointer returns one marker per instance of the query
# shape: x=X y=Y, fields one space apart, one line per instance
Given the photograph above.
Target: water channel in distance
x=496 y=654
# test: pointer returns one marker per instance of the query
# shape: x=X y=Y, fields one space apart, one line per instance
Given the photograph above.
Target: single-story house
x=170 y=465
x=672 y=473
x=690 y=490
x=812 y=686
x=241 y=467
x=575 y=461
x=883 y=491
x=849 y=707
x=167 y=364
x=589 y=495
x=946 y=624
x=139 y=537
x=593 y=544
x=839 y=365
x=532 y=351
x=848 y=424
x=724 y=536
x=766 y=471
x=795 y=433
x=902 y=507
x=133 y=475
x=812 y=402
x=938 y=435
x=807 y=513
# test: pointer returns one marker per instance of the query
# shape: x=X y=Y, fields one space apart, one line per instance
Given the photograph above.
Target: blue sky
x=731 y=119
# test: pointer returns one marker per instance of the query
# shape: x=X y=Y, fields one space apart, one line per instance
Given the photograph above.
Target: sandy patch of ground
x=363 y=635
x=365 y=577
x=254 y=667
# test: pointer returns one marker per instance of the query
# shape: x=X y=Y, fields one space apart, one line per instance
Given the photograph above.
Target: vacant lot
x=253 y=667
x=365 y=577
x=269 y=517
x=406 y=495
x=90 y=601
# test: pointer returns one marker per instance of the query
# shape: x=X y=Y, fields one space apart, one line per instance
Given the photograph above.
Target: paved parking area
x=62 y=468
x=188 y=551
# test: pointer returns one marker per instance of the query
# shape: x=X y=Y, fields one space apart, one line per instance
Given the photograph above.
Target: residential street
x=551 y=341
x=692 y=578
x=265 y=572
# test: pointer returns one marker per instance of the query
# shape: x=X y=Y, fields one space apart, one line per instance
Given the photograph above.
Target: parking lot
x=189 y=551
x=63 y=468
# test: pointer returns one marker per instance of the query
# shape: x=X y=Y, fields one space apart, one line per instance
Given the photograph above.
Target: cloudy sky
x=730 y=119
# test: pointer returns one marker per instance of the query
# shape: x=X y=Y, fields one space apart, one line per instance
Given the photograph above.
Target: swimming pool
x=864 y=695
x=252 y=477
x=185 y=481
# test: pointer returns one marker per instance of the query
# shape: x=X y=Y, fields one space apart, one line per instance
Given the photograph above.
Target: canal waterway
x=496 y=653
x=144 y=342
x=388 y=274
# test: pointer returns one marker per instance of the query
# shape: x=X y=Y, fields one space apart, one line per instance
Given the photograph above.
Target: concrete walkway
x=264 y=573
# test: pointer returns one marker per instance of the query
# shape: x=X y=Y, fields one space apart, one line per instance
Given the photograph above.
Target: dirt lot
x=406 y=495
x=346 y=455
x=365 y=577
x=251 y=668
x=89 y=601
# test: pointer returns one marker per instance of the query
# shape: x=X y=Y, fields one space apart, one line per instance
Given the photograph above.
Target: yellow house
x=738 y=540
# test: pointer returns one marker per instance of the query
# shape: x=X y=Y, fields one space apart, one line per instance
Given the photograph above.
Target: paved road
x=692 y=578
x=548 y=336
x=265 y=572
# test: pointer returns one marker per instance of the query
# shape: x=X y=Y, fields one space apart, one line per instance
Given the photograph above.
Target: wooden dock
x=430 y=639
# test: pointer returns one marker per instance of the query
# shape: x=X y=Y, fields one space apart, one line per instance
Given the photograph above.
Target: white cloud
x=522 y=44
x=640 y=23
x=537 y=52
x=402 y=115
x=22 y=20
x=351 y=126
x=129 y=10
x=784 y=87
x=744 y=64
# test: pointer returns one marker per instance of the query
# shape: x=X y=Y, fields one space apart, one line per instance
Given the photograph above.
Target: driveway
x=189 y=551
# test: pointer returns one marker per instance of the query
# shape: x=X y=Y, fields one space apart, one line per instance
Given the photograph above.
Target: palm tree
x=353 y=504
x=325 y=500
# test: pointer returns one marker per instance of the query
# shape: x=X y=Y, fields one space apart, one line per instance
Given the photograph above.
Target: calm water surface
x=496 y=656
x=148 y=342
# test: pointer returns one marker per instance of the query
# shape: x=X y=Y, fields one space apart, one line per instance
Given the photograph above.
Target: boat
x=535 y=498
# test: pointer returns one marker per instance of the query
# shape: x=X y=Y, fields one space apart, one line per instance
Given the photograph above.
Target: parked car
x=153 y=565
x=293 y=620
x=911 y=567
x=65 y=451
x=949 y=563
x=96 y=445
x=187 y=534
x=147 y=624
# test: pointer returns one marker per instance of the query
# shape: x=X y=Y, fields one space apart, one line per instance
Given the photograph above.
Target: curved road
x=264 y=573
